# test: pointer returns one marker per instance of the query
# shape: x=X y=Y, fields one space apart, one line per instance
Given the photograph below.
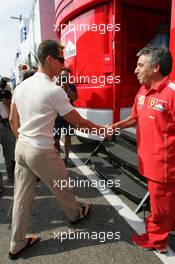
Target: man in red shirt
x=154 y=114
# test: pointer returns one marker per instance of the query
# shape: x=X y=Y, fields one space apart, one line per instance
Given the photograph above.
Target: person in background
x=4 y=84
x=154 y=114
x=27 y=74
x=7 y=139
x=61 y=125
x=34 y=68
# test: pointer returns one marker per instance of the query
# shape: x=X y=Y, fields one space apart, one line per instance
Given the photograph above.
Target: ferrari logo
x=141 y=99
x=152 y=102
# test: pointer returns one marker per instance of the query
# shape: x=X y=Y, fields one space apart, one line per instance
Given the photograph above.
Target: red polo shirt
x=154 y=110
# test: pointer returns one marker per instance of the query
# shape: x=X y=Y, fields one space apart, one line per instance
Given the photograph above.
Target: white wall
x=40 y=27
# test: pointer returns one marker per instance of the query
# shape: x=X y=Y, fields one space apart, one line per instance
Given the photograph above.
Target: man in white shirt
x=35 y=104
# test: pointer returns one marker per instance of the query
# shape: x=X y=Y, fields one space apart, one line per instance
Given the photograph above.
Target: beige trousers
x=45 y=164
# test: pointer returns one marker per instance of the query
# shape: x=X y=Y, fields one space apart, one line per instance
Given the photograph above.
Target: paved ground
x=47 y=220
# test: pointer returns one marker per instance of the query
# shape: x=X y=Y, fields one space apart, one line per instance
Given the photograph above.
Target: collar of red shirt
x=159 y=86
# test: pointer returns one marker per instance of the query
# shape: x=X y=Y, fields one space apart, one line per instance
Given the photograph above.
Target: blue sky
x=9 y=38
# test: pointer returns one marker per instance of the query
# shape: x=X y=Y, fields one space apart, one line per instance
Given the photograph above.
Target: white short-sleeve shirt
x=38 y=100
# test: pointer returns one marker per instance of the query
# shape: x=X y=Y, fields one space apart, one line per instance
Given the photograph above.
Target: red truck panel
x=93 y=53
x=67 y=9
x=93 y=57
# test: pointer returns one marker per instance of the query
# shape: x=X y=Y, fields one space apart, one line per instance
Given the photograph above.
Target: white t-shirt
x=38 y=101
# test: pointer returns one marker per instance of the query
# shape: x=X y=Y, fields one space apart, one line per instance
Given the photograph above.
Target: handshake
x=108 y=131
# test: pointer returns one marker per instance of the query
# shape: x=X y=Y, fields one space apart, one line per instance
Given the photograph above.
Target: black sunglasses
x=60 y=59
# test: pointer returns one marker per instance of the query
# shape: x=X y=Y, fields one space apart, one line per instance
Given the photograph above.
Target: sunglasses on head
x=60 y=59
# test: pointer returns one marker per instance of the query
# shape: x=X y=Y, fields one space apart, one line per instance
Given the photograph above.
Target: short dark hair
x=48 y=47
x=159 y=55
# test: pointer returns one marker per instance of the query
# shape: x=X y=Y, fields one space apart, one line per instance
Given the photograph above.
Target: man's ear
x=49 y=59
x=156 y=68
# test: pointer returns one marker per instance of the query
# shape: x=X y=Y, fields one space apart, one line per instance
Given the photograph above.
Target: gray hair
x=159 y=55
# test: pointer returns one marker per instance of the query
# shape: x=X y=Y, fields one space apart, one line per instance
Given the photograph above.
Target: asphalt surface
x=105 y=236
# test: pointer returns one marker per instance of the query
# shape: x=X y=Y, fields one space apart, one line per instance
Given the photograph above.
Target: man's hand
x=109 y=131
